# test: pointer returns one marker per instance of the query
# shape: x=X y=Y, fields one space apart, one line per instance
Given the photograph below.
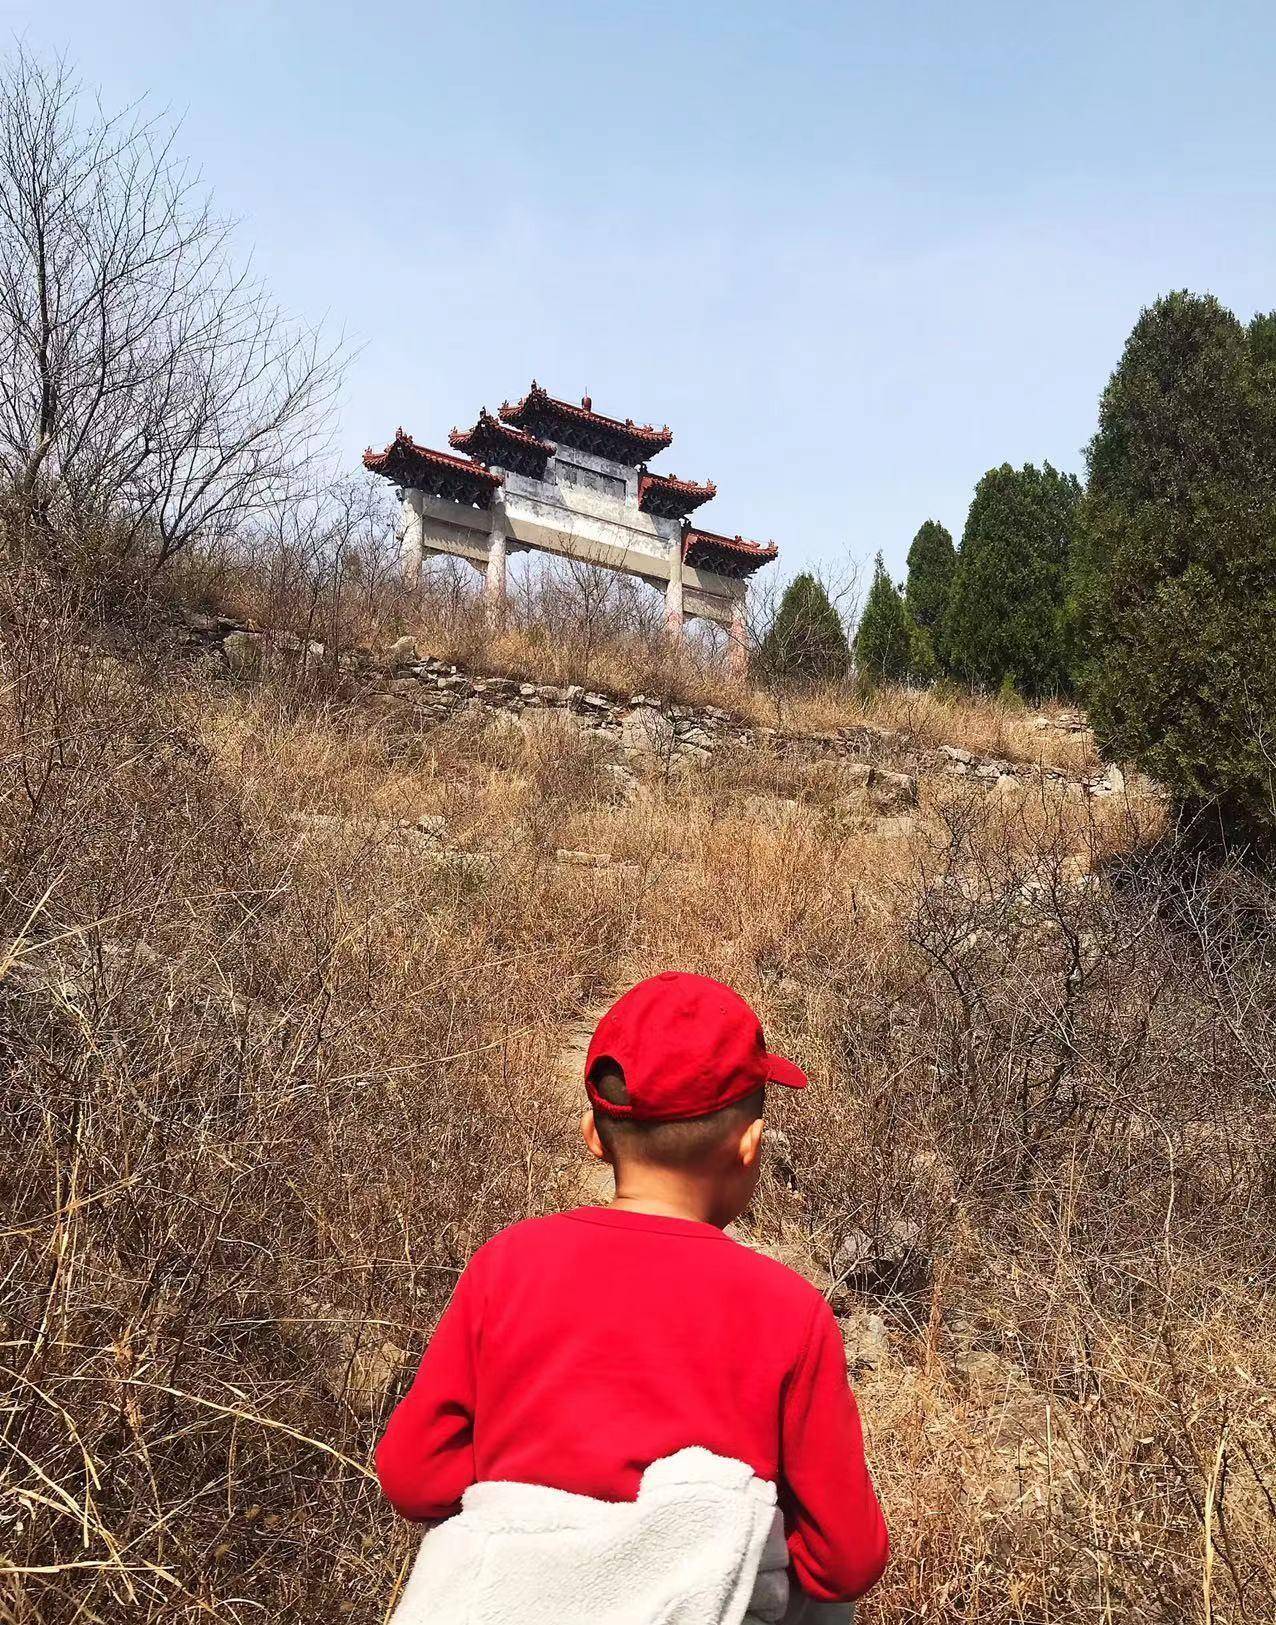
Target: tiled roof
x=539 y=408
x=729 y=555
x=438 y=472
x=667 y=494
x=488 y=429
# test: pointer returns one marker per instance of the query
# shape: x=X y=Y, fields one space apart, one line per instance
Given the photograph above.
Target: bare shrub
x=269 y=1077
x=283 y=992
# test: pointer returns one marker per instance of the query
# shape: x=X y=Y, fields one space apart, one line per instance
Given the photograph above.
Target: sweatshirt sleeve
x=425 y=1459
x=837 y=1537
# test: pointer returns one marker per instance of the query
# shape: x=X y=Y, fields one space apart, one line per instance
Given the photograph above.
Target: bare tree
x=147 y=384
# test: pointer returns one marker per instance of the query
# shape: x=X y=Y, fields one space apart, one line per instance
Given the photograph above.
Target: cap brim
x=778 y=1070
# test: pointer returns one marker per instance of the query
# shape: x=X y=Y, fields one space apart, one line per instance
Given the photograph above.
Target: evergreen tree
x=884 y=641
x=807 y=641
x=1175 y=577
x=1005 y=615
x=932 y=563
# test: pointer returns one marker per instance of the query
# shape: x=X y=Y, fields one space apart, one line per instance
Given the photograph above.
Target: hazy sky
x=853 y=254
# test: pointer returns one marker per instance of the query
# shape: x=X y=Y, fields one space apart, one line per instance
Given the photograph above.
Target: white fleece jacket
x=703 y=1544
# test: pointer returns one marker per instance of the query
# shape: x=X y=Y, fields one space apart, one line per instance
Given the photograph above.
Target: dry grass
x=577 y=624
x=929 y=717
x=274 y=1067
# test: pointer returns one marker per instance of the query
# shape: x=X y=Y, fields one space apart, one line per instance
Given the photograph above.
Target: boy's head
x=676 y=1075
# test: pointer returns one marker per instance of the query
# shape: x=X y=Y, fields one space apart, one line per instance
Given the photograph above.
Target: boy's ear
x=751 y=1143
x=589 y=1133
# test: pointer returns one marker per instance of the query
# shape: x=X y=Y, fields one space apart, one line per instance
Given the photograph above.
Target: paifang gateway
x=547 y=475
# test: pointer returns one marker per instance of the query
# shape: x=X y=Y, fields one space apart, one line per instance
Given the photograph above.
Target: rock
x=955 y=755
x=1007 y=785
x=402 y=652
x=885 y=791
x=242 y=650
x=866 y=1341
x=473 y=866
x=646 y=735
x=586 y=860
x=889 y=1258
x=874 y=790
x=1111 y=784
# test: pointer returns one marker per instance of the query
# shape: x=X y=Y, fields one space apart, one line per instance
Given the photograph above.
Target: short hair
x=680 y=1142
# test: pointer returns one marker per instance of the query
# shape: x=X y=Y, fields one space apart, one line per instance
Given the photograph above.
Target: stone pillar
x=673 y=592
x=496 y=551
x=738 y=643
x=411 y=537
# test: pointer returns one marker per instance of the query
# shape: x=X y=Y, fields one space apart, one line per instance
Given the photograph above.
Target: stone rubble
x=643 y=731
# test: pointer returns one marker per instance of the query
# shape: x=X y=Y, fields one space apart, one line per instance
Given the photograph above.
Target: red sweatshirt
x=580 y=1348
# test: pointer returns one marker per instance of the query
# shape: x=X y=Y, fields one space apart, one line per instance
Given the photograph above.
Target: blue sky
x=853 y=254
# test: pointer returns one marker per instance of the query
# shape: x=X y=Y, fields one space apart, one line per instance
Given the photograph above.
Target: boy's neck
x=667 y=1197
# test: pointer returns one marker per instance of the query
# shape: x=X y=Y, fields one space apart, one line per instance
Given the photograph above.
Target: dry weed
x=282 y=993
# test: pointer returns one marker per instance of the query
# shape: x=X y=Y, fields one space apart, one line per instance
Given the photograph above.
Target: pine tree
x=1006 y=609
x=807 y=641
x=932 y=563
x=1175 y=574
x=884 y=641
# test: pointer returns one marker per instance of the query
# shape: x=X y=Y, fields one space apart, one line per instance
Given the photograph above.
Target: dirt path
x=593 y=1179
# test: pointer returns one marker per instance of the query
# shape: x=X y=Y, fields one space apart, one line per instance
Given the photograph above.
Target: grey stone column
x=411 y=537
x=673 y=592
x=738 y=641
x=496 y=560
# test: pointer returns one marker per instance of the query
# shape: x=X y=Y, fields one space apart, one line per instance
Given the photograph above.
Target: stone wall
x=640 y=727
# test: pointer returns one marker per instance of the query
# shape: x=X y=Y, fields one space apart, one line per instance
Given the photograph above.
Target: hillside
x=298 y=956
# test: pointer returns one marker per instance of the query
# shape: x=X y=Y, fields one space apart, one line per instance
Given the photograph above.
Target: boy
x=580 y=1348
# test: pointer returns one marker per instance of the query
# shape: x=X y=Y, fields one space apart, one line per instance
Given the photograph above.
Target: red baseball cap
x=687 y=1046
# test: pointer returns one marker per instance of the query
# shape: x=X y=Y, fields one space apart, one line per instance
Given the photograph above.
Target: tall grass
x=278 y=1056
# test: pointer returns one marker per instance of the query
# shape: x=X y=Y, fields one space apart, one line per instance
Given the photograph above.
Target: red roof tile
x=539 y=406
x=762 y=551
x=408 y=463
x=672 y=496
x=488 y=429
x=725 y=555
